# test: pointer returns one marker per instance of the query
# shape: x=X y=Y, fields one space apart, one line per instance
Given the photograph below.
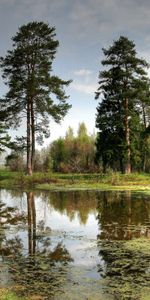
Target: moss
x=5 y=294
x=146 y=296
x=127 y=268
x=141 y=245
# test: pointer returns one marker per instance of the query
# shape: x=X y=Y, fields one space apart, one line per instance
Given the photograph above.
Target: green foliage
x=119 y=114
x=32 y=89
x=74 y=154
x=15 y=161
x=43 y=161
x=5 y=139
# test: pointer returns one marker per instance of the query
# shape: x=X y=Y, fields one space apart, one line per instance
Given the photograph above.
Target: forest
x=34 y=96
x=74 y=210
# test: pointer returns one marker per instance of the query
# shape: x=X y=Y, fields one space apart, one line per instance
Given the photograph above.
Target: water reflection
x=124 y=225
x=31 y=223
x=123 y=216
x=74 y=204
x=80 y=245
x=37 y=273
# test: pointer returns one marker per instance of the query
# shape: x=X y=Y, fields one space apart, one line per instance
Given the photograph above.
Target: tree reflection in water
x=78 y=204
x=31 y=223
x=41 y=272
x=124 y=221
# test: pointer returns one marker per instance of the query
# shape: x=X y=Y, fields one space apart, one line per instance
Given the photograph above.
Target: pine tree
x=118 y=114
x=4 y=137
x=33 y=91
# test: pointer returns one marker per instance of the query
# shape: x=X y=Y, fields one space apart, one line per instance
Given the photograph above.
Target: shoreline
x=75 y=182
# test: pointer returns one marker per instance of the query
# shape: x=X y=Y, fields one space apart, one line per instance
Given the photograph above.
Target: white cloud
x=84 y=88
x=82 y=72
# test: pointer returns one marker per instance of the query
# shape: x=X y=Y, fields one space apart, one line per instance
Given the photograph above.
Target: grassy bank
x=53 y=181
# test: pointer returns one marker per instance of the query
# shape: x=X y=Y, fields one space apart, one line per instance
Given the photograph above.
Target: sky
x=83 y=28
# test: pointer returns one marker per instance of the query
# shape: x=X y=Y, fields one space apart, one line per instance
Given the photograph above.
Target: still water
x=75 y=245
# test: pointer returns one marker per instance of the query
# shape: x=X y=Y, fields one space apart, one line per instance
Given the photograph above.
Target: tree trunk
x=144 y=116
x=144 y=160
x=144 y=141
x=104 y=167
x=127 y=139
x=29 y=166
x=121 y=165
x=33 y=137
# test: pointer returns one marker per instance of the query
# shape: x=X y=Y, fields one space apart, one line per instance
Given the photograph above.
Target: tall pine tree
x=118 y=114
x=32 y=89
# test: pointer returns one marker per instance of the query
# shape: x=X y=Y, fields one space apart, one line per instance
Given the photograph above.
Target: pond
x=75 y=245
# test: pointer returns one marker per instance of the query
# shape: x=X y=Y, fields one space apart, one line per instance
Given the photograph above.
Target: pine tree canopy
x=34 y=92
x=123 y=86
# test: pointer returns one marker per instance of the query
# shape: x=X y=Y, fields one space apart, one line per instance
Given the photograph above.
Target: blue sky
x=83 y=27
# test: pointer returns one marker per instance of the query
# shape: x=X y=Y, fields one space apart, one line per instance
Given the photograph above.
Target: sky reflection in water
x=77 y=242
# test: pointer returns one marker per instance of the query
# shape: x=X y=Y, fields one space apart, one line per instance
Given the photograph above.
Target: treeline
x=69 y=154
x=77 y=154
x=36 y=95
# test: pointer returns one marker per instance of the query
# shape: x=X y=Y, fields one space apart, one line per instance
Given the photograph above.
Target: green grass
x=53 y=181
x=6 y=174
